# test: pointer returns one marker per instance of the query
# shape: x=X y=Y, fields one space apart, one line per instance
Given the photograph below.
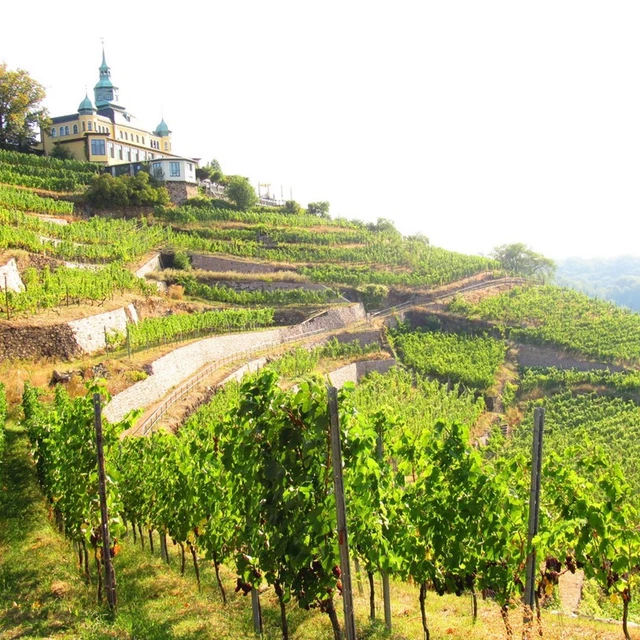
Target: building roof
x=86 y=105
x=162 y=129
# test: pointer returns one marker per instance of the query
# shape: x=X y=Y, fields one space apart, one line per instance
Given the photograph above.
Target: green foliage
x=291 y=207
x=320 y=209
x=62 y=152
x=13 y=198
x=469 y=360
x=21 y=110
x=155 y=330
x=550 y=315
x=210 y=171
x=220 y=293
x=373 y=295
x=181 y=261
x=125 y=191
x=519 y=259
x=241 y=193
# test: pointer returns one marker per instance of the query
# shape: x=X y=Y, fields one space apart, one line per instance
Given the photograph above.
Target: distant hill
x=616 y=279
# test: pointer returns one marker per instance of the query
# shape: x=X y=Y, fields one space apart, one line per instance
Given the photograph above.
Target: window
x=136 y=155
x=97 y=148
x=137 y=138
x=166 y=146
x=75 y=128
x=90 y=126
x=174 y=169
x=84 y=126
x=61 y=131
x=142 y=139
x=119 y=150
x=143 y=155
x=126 y=135
x=111 y=149
x=157 y=170
x=190 y=166
x=129 y=154
x=53 y=132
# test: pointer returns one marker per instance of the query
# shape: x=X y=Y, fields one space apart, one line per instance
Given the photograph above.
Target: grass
x=43 y=596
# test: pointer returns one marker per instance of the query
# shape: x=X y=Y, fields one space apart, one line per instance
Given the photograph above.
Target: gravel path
x=177 y=366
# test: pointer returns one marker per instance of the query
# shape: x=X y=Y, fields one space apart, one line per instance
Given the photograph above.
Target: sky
x=474 y=123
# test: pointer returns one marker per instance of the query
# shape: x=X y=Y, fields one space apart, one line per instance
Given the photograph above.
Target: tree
x=519 y=259
x=292 y=208
x=241 y=193
x=320 y=209
x=210 y=171
x=21 y=111
x=61 y=152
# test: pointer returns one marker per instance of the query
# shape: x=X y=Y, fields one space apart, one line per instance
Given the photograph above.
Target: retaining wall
x=31 y=342
x=151 y=265
x=214 y=263
x=12 y=275
x=182 y=363
x=89 y=333
x=357 y=370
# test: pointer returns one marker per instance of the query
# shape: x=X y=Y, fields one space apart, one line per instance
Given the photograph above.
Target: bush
x=181 y=261
x=125 y=191
x=175 y=292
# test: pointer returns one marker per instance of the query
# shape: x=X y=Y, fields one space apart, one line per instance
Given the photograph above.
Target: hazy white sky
x=476 y=123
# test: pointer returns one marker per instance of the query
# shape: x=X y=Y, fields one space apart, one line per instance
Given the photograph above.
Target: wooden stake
x=110 y=586
x=534 y=514
x=345 y=567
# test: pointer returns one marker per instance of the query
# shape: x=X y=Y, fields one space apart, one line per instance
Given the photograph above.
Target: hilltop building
x=103 y=131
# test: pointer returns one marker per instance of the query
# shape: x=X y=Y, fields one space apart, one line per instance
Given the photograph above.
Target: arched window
x=66 y=130
x=75 y=128
x=53 y=132
x=90 y=126
x=84 y=126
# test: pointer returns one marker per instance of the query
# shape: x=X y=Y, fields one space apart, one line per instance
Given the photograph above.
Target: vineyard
x=65 y=286
x=45 y=173
x=245 y=483
x=472 y=361
x=562 y=317
x=154 y=331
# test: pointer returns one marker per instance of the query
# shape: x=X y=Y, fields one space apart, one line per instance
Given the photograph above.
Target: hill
x=219 y=328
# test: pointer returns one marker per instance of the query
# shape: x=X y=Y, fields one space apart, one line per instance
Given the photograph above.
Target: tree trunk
x=216 y=565
x=333 y=616
x=372 y=596
x=166 y=548
x=141 y=536
x=151 y=540
x=474 y=605
x=625 y=616
x=182 y=564
x=133 y=528
x=80 y=557
x=195 y=563
x=86 y=561
x=283 y=610
x=99 y=571
x=423 y=611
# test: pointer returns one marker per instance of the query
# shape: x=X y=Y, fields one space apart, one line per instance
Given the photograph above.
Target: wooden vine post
x=386 y=589
x=110 y=576
x=345 y=567
x=534 y=515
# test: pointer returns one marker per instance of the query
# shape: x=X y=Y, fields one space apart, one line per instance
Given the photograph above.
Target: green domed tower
x=105 y=91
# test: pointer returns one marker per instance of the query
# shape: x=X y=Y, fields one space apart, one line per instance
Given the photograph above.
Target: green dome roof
x=162 y=129
x=86 y=105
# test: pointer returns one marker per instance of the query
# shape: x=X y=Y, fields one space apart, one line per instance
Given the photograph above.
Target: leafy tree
x=61 y=152
x=292 y=207
x=124 y=191
x=519 y=259
x=320 y=209
x=241 y=193
x=21 y=111
x=210 y=171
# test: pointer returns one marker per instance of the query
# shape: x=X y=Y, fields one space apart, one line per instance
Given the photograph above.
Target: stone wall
x=331 y=319
x=12 y=275
x=151 y=265
x=214 y=263
x=89 y=332
x=53 y=341
x=355 y=371
x=181 y=191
